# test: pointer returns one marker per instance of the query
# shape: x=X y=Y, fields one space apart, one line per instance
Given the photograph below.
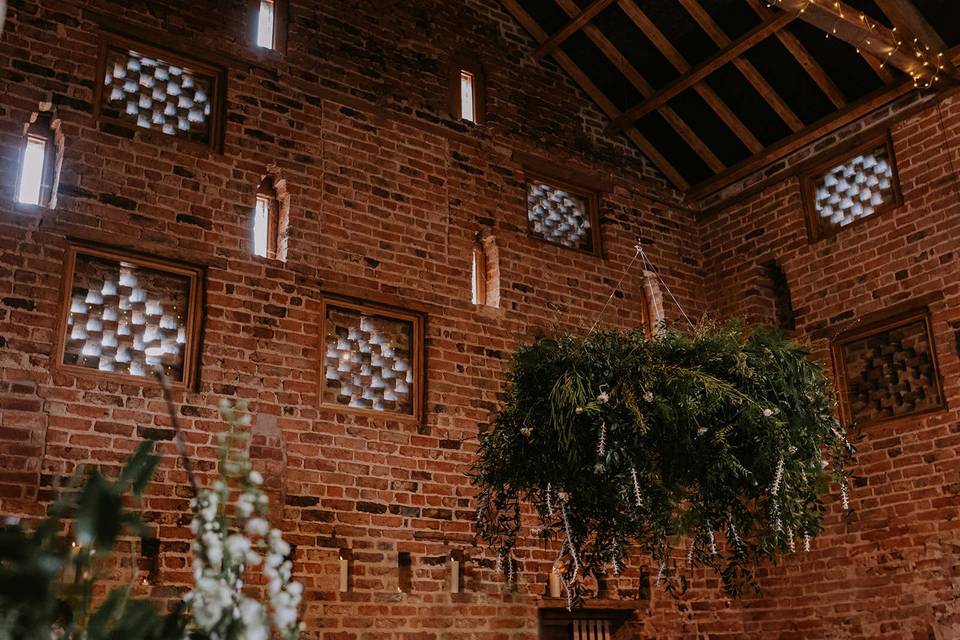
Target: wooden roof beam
x=910 y=23
x=680 y=63
x=807 y=61
x=645 y=89
x=841 y=21
x=576 y=23
x=568 y=65
x=750 y=72
x=702 y=70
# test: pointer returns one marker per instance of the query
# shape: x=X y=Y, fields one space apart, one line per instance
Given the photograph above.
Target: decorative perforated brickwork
x=369 y=361
x=890 y=372
x=559 y=216
x=159 y=95
x=856 y=188
x=126 y=319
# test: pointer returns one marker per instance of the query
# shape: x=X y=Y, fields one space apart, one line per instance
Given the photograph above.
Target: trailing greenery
x=48 y=576
x=713 y=439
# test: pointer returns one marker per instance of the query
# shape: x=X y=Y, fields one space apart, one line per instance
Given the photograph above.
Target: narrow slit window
x=479 y=276
x=30 y=189
x=267 y=24
x=468 y=92
x=266 y=221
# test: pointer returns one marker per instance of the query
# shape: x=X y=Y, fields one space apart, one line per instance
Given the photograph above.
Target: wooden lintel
x=576 y=23
x=702 y=70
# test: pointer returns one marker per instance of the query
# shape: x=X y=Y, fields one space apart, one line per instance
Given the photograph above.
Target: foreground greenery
x=712 y=438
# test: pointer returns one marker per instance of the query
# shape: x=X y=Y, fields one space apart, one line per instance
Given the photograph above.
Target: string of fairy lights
x=930 y=63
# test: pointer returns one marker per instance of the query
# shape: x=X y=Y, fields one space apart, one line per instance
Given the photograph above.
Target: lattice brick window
x=129 y=316
x=372 y=358
x=159 y=91
x=562 y=215
x=862 y=185
x=888 y=370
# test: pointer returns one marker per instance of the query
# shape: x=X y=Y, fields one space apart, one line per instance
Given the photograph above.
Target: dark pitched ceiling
x=711 y=90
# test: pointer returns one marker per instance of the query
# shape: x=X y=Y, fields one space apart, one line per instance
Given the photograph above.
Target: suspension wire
x=648 y=267
x=616 y=288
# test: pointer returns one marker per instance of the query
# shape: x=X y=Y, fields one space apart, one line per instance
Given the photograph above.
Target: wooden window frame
x=590 y=196
x=194 y=322
x=418 y=354
x=816 y=230
x=218 y=88
x=881 y=325
x=267 y=191
x=281 y=12
x=462 y=63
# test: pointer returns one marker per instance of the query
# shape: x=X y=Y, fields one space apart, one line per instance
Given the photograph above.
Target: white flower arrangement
x=230 y=538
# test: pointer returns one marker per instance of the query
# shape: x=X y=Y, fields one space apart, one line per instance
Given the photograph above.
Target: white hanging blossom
x=713 y=544
x=845 y=496
x=693 y=542
x=226 y=543
x=733 y=534
x=806 y=542
x=790 y=543
x=550 y=499
x=602 y=444
x=636 y=487
x=777 y=478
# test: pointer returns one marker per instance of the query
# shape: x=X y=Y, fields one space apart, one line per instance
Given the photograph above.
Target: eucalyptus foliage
x=714 y=439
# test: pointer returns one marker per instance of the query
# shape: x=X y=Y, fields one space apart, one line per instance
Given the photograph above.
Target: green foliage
x=694 y=428
x=47 y=576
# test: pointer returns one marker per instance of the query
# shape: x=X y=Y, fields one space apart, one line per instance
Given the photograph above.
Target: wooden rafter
x=577 y=22
x=568 y=65
x=750 y=72
x=788 y=145
x=645 y=89
x=911 y=24
x=802 y=56
x=680 y=63
x=702 y=70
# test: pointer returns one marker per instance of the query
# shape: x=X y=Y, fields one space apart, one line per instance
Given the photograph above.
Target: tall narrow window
x=267 y=24
x=479 y=277
x=265 y=221
x=468 y=91
x=32 y=168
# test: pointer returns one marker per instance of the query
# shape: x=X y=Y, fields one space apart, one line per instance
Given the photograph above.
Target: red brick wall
x=387 y=196
x=893 y=570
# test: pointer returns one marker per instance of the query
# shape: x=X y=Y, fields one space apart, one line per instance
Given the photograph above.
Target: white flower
x=767 y=413
x=648 y=396
x=603 y=398
x=237 y=546
x=526 y=431
x=701 y=431
x=255 y=478
x=257 y=527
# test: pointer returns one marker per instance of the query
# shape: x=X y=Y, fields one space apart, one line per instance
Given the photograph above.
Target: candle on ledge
x=554 y=584
x=345 y=557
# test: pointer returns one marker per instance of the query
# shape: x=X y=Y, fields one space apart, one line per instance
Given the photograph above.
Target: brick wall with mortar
x=893 y=570
x=387 y=196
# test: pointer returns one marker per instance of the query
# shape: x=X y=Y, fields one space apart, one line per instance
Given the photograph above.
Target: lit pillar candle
x=554 y=584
